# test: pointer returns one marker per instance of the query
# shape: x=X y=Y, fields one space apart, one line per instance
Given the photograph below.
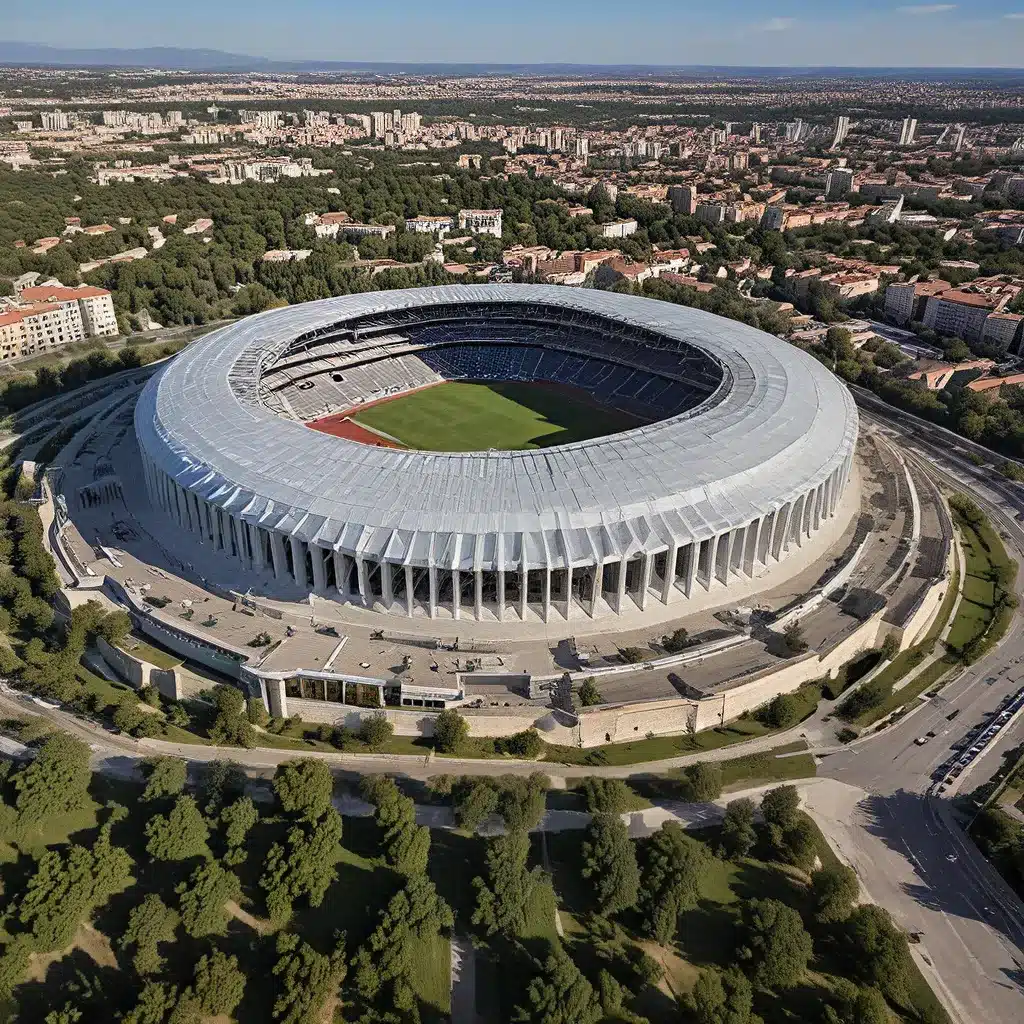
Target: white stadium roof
x=781 y=428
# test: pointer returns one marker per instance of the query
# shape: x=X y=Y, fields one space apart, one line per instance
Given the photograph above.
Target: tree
x=155 y=1001
x=304 y=787
x=526 y=744
x=780 y=712
x=238 y=818
x=302 y=866
x=165 y=777
x=775 y=944
x=451 y=730
x=256 y=712
x=779 y=806
x=406 y=844
x=589 y=693
x=878 y=951
x=203 y=896
x=890 y=647
x=55 y=782
x=223 y=781
x=376 y=730
x=560 y=995
x=678 y=640
x=864 y=1006
x=702 y=782
x=610 y=796
x=473 y=803
x=503 y=895
x=721 y=997
x=149 y=923
x=793 y=637
x=834 y=889
x=521 y=802
x=219 y=984
x=14 y=961
x=307 y=979
x=609 y=862
x=672 y=869
x=179 y=835
x=738 y=836
x=231 y=723
x=68 y=1014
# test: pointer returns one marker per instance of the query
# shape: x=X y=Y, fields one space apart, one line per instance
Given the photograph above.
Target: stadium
x=508 y=453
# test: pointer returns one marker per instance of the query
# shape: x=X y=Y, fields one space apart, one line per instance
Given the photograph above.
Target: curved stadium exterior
x=745 y=451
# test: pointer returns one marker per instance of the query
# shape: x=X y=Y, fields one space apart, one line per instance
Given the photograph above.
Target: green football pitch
x=511 y=416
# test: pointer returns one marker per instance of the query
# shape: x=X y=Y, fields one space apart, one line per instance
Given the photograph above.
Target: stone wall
x=141 y=673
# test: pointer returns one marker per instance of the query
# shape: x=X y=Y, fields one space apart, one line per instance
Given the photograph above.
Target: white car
x=921 y=740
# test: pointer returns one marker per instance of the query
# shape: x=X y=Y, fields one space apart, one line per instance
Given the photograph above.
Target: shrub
x=376 y=730
x=451 y=730
x=526 y=744
x=589 y=693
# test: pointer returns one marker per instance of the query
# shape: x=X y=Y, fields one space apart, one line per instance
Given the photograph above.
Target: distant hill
x=174 y=58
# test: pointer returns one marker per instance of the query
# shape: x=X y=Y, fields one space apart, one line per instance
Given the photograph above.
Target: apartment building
x=619 y=228
x=86 y=312
x=481 y=222
x=429 y=225
x=905 y=303
x=961 y=314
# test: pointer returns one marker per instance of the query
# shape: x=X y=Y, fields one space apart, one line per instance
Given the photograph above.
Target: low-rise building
x=619 y=228
x=481 y=222
x=89 y=312
x=429 y=225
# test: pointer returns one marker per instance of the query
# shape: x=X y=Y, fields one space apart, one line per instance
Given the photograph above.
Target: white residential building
x=619 y=228
x=429 y=225
x=92 y=309
x=481 y=222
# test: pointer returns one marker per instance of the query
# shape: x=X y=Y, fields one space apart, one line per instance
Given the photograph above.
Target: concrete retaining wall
x=140 y=673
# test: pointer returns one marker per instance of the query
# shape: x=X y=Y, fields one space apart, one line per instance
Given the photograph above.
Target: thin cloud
x=926 y=8
x=1015 y=16
x=778 y=24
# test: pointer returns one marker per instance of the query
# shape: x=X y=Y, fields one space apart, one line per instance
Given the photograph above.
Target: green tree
x=307 y=979
x=376 y=730
x=238 y=819
x=834 y=890
x=219 y=984
x=609 y=863
x=474 y=801
x=878 y=952
x=68 y=1014
x=179 y=835
x=55 y=782
x=502 y=896
x=609 y=796
x=702 y=782
x=560 y=994
x=203 y=897
x=14 y=960
x=890 y=647
x=738 y=835
x=678 y=640
x=780 y=712
x=521 y=802
x=775 y=944
x=451 y=731
x=406 y=844
x=673 y=865
x=864 y=1006
x=149 y=923
x=223 y=781
x=304 y=787
x=724 y=997
x=793 y=637
x=165 y=777
x=589 y=693
x=155 y=1001
x=231 y=722
x=302 y=866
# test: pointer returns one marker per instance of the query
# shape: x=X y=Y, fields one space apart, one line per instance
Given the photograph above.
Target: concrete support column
x=387 y=589
x=620 y=595
x=340 y=576
x=222 y=538
x=501 y=595
x=319 y=572
x=668 y=583
x=780 y=531
x=547 y=594
x=432 y=572
x=259 y=559
x=298 y=562
x=410 y=597
x=691 y=569
x=524 y=577
x=456 y=595
x=363 y=575
x=278 y=556
x=568 y=594
x=277 y=699
x=197 y=517
x=646 y=571
x=478 y=594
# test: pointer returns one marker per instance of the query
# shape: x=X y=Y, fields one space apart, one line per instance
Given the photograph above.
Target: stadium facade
x=745 y=451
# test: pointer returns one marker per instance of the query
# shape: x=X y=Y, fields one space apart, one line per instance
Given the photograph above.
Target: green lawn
x=458 y=417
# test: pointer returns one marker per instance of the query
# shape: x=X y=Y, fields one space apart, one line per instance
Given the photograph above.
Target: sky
x=971 y=33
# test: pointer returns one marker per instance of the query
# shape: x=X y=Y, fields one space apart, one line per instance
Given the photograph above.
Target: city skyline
x=878 y=33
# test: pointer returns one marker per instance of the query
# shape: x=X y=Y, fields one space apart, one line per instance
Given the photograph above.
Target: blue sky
x=978 y=33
